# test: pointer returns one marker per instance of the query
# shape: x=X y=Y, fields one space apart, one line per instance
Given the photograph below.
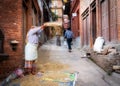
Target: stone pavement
x=89 y=73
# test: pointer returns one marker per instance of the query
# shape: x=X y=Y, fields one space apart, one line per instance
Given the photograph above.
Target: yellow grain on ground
x=55 y=76
x=47 y=79
x=50 y=74
x=32 y=80
x=51 y=67
x=28 y=80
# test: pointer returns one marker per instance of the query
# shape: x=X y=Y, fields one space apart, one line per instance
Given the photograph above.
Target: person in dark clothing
x=58 y=35
x=64 y=33
x=69 y=36
x=66 y=25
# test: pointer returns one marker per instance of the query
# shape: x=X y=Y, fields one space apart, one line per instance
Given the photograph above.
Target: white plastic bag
x=65 y=43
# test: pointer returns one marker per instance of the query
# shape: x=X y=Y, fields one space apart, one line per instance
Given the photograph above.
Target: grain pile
x=56 y=76
x=50 y=76
x=31 y=80
x=53 y=24
x=51 y=67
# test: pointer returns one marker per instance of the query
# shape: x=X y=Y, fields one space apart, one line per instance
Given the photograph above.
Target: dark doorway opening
x=86 y=28
x=94 y=30
x=3 y=56
x=1 y=42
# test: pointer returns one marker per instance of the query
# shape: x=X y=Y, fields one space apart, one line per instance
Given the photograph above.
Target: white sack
x=98 y=45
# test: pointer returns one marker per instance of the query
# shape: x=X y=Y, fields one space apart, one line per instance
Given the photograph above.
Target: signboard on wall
x=74 y=14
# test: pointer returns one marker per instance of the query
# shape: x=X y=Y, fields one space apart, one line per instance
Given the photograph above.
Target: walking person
x=66 y=25
x=31 y=48
x=58 y=34
x=69 y=37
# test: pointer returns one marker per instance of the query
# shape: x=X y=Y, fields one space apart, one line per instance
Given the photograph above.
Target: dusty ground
x=57 y=58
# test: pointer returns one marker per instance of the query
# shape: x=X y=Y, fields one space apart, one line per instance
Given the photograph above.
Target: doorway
x=104 y=19
x=1 y=41
x=93 y=27
x=86 y=28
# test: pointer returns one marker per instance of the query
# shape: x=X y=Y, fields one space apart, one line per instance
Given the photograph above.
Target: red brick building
x=75 y=18
x=93 y=18
x=16 y=17
x=96 y=18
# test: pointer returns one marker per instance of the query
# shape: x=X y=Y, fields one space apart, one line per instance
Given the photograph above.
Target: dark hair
x=69 y=28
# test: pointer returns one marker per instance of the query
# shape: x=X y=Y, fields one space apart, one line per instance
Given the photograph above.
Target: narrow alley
x=57 y=58
x=36 y=37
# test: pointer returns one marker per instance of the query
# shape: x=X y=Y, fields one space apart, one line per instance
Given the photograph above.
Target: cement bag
x=98 y=45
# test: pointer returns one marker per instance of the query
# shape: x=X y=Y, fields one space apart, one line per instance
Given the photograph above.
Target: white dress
x=31 y=52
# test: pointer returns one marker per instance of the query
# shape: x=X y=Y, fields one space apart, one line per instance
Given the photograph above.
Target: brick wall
x=118 y=18
x=75 y=6
x=11 y=25
x=84 y=4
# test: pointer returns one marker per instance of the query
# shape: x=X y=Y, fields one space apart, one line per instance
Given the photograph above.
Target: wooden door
x=78 y=28
x=104 y=20
x=113 y=23
x=118 y=18
x=94 y=30
x=93 y=27
x=86 y=31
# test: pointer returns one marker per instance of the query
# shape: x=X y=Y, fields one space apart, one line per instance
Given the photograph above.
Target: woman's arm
x=36 y=29
x=26 y=40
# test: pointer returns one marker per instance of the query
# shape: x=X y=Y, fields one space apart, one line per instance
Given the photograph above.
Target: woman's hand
x=43 y=26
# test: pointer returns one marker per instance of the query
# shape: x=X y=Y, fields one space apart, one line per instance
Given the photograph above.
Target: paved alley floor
x=89 y=74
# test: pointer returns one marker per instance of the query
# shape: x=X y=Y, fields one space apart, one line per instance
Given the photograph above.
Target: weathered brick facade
x=75 y=18
x=99 y=18
x=118 y=18
x=16 y=17
x=11 y=25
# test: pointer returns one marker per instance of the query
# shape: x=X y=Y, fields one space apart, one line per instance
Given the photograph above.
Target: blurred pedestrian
x=66 y=25
x=69 y=37
x=58 y=35
x=31 y=48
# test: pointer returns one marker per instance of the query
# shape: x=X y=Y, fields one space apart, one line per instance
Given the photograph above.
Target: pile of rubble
x=106 y=56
